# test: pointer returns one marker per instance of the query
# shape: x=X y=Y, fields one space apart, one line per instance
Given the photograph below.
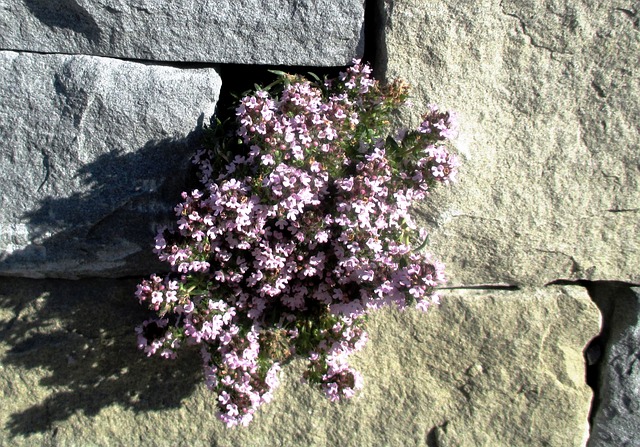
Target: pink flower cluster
x=285 y=249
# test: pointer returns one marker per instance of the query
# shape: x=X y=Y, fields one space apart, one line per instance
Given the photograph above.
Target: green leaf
x=393 y=144
x=270 y=86
x=422 y=245
x=314 y=76
x=278 y=73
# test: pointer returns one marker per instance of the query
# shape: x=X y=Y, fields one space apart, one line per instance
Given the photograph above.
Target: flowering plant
x=300 y=229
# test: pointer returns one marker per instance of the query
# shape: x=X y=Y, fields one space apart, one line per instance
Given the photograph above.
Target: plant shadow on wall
x=68 y=14
x=69 y=346
x=75 y=338
x=106 y=225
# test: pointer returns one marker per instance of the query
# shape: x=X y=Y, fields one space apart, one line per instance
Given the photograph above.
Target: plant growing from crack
x=300 y=229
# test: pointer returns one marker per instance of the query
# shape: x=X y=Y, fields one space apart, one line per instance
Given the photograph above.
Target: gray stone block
x=617 y=419
x=93 y=155
x=292 y=32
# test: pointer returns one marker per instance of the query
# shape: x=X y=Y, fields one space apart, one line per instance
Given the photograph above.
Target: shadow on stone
x=76 y=339
x=105 y=222
x=69 y=347
x=67 y=14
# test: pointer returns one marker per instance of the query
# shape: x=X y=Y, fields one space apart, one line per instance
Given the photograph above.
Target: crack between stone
x=588 y=283
x=532 y=41
x=624 y=210
x=512 y=287
x=183 y=65
x=376 y=25
x=575 y=266
x=588 y=366
x=372 y=17
x=632 y=15
x=472 y=217
x=46 y=166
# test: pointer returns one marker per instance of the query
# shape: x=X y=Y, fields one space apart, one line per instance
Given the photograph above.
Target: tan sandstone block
x=486 y=368
x=549 y=101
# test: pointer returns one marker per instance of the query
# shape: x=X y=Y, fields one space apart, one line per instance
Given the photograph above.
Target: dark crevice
x=371 y=31
x=593 y=356
x=240 y=78
x=568 y=282
x=484 y=287
x=162 y=63
x=612 y=299
x=618 y=307
x=632 y=15
x=375 y=29
x=599 y=91
x=627 y=210
x=590 y=284
x=593 y=351
x=435 y=434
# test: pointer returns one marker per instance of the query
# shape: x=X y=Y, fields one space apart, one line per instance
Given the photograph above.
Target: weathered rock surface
x=292 y=32
x=485 y=369
x=93 y=155
x=549 y=98
x=617 y=419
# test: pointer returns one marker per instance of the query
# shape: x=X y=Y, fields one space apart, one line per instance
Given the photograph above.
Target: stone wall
x=101 y=106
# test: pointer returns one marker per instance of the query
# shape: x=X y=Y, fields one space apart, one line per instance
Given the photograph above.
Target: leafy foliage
x=301 y=228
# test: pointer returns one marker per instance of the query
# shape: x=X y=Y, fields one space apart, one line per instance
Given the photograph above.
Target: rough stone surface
x=487 y=368
x=291 y=32
x=93 y=155
x=549 y=98
x=617 y=418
